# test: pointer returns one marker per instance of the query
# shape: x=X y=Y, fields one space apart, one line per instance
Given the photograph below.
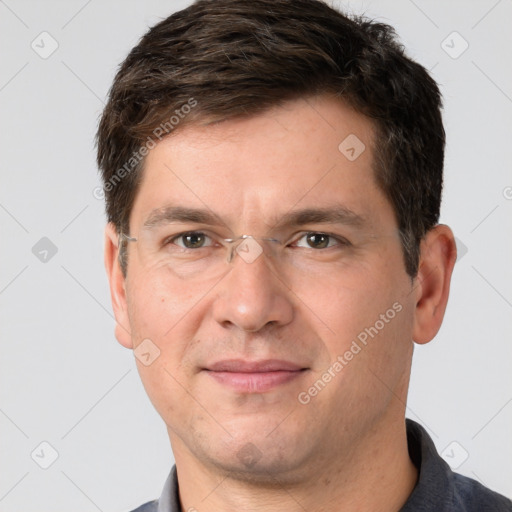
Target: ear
x=117 y=286
x=432 y=284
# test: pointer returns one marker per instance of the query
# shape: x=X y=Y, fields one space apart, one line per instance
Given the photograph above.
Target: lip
x=242 y=366
x=254 y=376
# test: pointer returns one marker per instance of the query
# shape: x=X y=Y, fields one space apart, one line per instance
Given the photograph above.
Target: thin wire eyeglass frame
x=233 y=243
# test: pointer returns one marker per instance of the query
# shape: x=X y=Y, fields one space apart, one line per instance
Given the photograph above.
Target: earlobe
x=117 y=286
x=432 y=284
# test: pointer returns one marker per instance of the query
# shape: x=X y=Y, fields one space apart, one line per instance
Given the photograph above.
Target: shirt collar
x=170 y=499
x=434 y=487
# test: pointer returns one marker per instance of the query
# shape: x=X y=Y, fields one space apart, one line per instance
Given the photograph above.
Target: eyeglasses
x=202 y=254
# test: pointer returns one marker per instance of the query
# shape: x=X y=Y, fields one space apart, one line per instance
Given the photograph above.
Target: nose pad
x=232 y=245
x=247 y=247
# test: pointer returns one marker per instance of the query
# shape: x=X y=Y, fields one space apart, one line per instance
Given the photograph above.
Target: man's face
x=335 y=283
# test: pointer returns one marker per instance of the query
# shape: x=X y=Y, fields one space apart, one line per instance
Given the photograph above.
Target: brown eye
x=192 y=240
x=318 y=240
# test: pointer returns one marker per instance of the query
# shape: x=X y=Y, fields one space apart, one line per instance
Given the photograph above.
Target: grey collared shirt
x=438 y=489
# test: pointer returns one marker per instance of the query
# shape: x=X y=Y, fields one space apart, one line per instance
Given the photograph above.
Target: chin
x=262 y=468
x=254 y=456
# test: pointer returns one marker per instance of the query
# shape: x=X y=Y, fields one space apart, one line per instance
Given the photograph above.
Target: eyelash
x=341 y=241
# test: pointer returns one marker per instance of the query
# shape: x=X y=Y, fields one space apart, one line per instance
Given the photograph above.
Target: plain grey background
x=65 y=380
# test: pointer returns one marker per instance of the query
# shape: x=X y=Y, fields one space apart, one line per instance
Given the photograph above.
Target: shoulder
x=169 y=500
x=150 y=506
x=470 y=495
x=438 y=488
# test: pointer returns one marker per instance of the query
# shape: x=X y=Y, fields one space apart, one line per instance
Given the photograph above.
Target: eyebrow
x=333 y=215
x=170 y=214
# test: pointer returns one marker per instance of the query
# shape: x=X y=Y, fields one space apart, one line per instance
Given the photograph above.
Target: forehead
x=306 y=153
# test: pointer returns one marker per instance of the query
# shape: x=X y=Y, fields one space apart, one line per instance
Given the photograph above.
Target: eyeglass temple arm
x=127 y=238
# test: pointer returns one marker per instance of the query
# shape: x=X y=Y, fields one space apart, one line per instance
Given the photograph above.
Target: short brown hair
x=234 y=58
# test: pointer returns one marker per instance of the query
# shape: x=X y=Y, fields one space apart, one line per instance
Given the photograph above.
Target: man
x=273 y=175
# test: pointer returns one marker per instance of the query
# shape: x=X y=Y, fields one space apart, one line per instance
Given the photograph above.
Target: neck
x=377 y=475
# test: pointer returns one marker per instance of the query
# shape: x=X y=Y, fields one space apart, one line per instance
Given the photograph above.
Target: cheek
x=346 y=302
x=168 y=316
x=170 y=319
x=169 y=396
x=369 y=305
x=159 y=307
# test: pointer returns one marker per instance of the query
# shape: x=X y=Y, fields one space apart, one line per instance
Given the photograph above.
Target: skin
x=346 y=448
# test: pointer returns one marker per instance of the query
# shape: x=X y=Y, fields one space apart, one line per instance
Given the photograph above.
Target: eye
x=318 y=240
x=191 y=240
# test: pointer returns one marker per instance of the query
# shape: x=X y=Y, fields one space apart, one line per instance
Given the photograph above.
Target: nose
x=252 y=296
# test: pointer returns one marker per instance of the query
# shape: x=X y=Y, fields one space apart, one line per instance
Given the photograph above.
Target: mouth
x=254 y=376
